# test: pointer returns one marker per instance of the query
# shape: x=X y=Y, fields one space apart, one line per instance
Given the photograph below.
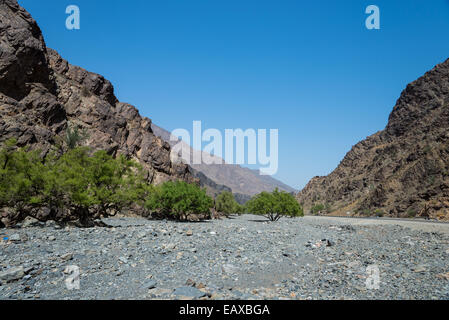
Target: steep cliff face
x=40 y=93
x=400 y=171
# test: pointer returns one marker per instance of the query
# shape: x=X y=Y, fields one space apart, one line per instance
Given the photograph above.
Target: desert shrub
x=69 y=183
x=179 y=200
x=274 y=205
x=75 y=136
x=83 y=184
x=225 y=203
x=116 y=183
x=379 y=213
x=240 y=209
x=317 y=208
x=93 y=185
x=366 y=212
x=411 y=213
x=22 y=177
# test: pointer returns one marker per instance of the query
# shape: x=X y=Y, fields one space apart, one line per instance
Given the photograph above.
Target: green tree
x=79 y=185
x=225 y=203
x=75 y=184
x=22 y=177
x=317 y=208
x=93 y=186
x=116 y=183
x=74 y=136
x=274 y=205
x=179 y=199
x=240 y=209
x=69 y=184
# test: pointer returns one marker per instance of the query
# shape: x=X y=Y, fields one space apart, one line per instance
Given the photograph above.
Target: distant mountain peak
x=241 y=180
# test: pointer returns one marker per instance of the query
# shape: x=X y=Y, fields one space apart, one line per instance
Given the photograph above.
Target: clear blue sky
x=309 y=68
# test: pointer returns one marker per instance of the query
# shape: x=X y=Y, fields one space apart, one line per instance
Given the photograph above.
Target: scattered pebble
x=301 y=258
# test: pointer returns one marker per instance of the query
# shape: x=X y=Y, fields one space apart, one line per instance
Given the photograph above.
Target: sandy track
x=414 y=224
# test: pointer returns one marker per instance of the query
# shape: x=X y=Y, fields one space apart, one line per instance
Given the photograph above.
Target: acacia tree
x=225 y=203
x=22 y=178
x=274 y=205
x=69 y=184
x=178 y=199
x=82 y=186
x=74 y=185
x=95 y=185
x=116 y=183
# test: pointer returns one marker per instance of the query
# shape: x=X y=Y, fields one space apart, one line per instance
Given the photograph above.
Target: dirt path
x=414 y=224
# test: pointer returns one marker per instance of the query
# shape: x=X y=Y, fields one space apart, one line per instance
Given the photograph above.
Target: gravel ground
x=240 y=258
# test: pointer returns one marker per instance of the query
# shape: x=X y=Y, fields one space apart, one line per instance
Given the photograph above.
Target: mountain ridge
x=400 y=171
x=240 y=180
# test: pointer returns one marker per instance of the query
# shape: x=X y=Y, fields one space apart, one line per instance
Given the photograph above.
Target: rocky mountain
x=402 y=171
x=40 y=93
x=244 y=182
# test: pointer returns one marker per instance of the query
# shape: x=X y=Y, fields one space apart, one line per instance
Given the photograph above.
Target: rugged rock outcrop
x=400 y=171
x=40 y=93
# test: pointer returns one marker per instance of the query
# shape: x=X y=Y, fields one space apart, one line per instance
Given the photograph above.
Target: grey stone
x=150 y=284
x=67 y=257
x=123 y=259
x=15 y=237
x=12 y=274
x=190 y=292
x=29 y=222
x=320 y=273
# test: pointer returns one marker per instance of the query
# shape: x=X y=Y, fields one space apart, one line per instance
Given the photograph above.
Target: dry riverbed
x=240 y=258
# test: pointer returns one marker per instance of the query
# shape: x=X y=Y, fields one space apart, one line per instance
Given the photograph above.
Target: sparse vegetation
x=77 y=184
x=74 y=136
x=317 y=209
x=411 y=213
x=379 y=213
x=83 y=185
x=366 y=212
x=274 y=205
x=225 y=203
x=179 y=200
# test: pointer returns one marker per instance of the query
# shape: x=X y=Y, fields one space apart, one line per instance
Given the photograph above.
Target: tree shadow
x=189 y=222
x=260 y=220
